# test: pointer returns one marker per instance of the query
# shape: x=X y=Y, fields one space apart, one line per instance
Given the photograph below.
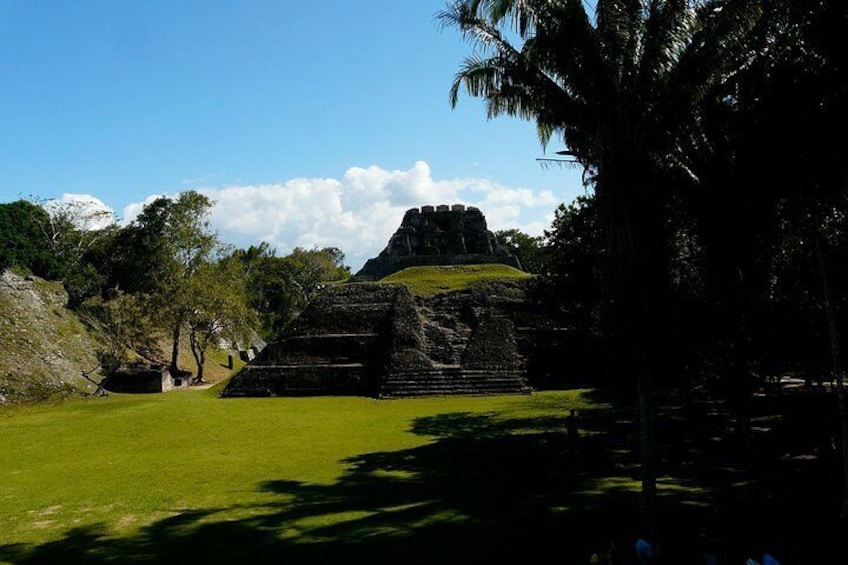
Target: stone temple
x=438 y=235
x=377 y=339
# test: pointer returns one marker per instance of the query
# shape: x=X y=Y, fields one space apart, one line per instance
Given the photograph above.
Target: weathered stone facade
x=438 y=235
x=379 y=340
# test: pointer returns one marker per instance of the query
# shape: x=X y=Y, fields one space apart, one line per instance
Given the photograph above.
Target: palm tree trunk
x=635 y=273
x=647 y=442
x=837 y=367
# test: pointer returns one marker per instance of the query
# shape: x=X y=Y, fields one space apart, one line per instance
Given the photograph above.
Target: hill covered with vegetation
x=45 y=347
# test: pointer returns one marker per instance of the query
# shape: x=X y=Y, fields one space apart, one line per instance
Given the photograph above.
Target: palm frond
x=620 y=25
x=720 y=47
x=668 y=32
x=522 y=83
x=519 y=15
x=566 y=47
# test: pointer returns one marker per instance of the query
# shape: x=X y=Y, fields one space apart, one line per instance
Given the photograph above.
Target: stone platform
x=379 y=340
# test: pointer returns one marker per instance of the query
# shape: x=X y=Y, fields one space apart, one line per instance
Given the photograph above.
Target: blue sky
x=309 y=123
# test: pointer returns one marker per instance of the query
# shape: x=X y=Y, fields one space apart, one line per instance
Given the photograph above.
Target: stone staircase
x=448 y=331
x=452 y=380
x=445 y=337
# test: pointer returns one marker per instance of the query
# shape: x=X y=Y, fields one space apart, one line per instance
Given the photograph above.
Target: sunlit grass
x=429 y=281
x=127 y=461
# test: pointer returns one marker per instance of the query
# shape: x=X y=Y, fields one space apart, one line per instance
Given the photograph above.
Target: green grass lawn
x=429 y=281
x=141 y=472
x=186 y=476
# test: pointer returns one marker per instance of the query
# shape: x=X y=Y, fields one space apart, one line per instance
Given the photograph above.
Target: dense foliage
x=707 y=130
x=528 y=249
x=24 y=245
x=279 y=287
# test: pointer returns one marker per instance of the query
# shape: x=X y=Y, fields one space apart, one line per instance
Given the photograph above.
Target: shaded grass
x=429 y=281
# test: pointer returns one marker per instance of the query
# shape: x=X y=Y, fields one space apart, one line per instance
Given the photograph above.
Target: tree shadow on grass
x=485 y=489
x=778 y=489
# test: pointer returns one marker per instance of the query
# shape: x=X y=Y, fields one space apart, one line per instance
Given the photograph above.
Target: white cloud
x=358 y=212
x=87 y=212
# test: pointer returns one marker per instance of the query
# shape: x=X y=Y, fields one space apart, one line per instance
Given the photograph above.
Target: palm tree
x=621 y=88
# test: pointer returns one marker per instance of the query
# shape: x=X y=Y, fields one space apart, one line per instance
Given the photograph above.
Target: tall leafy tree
x=75 y=232
x=24 y=246
x=811 y=72
x=620 y=88
x=123 y=326
x=159 y=253
x=219 y=309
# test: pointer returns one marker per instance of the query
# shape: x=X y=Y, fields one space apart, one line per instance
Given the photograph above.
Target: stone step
x=454 y=389
x=426 y=377
x=452 y=380
x=453 y=386
x=423 y=392
x=322 y=349
x=297 y=380
x=418 y=391
x=304 y=366
x=330 y=336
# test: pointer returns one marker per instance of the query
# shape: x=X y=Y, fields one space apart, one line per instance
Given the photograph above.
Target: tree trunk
x=201 y=365
x=199 y=353
x=742 y=384
x=837 y=368
x=647 y=442
x=175 y=349
x=628 y=196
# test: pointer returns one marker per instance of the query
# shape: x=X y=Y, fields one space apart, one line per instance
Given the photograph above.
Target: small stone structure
x=142 y=379
x=441 y=235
